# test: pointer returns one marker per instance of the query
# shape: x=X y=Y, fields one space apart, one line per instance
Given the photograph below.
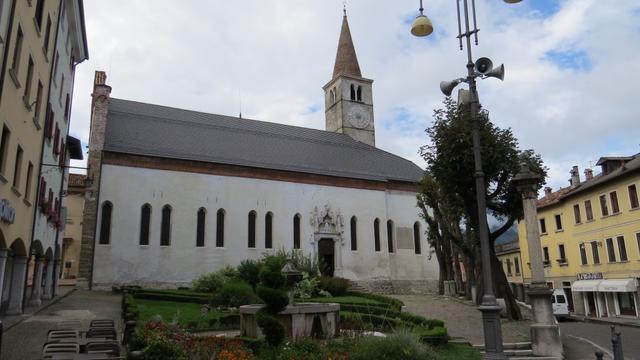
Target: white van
x=560 y=304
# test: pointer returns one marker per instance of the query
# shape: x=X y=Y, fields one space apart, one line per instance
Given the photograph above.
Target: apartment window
x=56 y=60
x=354 y=233
x=61 y=89
x=622 y=248
x=595 y=252
x=200 y=227
x=18 y=168
x=220 y=228
x=105 y=222
x=588 y=210
x=638 y=243
x=576 y=213
x=509 y=267
x=633 y=197
x=268 y=231
x=610 y=250
x=145 y=223
x=47 y=35
x=251 y=231
x=583 y=254
x=165 y=226
x=15 y=62
x=558 y=219
x=4 y=147
x=27 y=189
x=39 y=12
x=543 y=226
x=67 y=108
x=516 y=263
x=26 y=97
x=36 y=113
x=390 y=236
x=376 y=234
x=416 y=238
x=296 y=231
x=563 y=258
x=545 y=252
x=603 y=205
x=614 y=202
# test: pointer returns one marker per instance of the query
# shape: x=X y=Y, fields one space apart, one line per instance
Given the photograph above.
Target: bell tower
x=348 y=96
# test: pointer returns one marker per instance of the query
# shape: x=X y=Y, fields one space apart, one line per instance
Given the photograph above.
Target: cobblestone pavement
x=25 y=340
x=462 y=319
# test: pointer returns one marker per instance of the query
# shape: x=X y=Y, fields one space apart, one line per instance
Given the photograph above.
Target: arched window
x=376 y=233
x=354 y=234
x=268 y=230
x=416 y=237
x=105 y=223
x=200 y=227
x=252 y=229
x=390 y=235
x=165 y=227
x=359 y=93
x=296 y=231
x=220 y=228
x=353 y=92
x=335 y=95
x=145 y=223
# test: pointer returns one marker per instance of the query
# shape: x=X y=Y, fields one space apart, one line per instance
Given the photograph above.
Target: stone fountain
x=315 y=320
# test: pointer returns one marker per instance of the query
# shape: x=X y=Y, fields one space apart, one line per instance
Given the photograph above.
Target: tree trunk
x=501 y=288
x=457 y=273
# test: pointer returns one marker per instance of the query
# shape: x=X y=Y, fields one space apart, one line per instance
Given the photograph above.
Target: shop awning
x=585 y=285
x=618 y=285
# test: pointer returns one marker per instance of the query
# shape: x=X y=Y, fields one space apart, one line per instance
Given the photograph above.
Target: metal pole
x=616 y=344
x=489 y=306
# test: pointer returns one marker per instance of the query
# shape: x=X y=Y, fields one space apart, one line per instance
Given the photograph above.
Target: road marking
x=604 y=350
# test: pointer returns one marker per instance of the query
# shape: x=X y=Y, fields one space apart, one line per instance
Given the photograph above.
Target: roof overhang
x=585 y=285
x=75 y=148
x=78 y=29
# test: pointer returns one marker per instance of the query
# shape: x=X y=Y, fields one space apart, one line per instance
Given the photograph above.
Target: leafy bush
x=234 y=294
x=436 y=336
x=232 y=319
x=307 y=287
x=399 y=345
x=334 y=285
x=211 y=282
x=249 y=270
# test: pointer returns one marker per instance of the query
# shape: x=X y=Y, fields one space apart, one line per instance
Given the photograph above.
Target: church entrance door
x=326 y=256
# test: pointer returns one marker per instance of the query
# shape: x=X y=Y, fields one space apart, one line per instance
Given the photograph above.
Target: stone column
x=56 y=278
x=3 y=265
x=48 y=282
x=17 y=285
x=545 y=332
x=36 y=286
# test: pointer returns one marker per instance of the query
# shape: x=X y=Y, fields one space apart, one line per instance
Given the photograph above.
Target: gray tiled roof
x=153 y=130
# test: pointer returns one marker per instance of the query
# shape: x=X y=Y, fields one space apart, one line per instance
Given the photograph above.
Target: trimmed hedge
x=370 y=309
x=436 y=336
x=376 y=322
x=381 y=298
x=421 y=321
x=153 y=295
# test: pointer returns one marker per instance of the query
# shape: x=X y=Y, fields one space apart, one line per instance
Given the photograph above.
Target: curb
x=52 y=302
x=603 y=321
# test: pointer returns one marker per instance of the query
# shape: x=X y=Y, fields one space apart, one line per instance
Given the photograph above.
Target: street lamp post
x=482 y=68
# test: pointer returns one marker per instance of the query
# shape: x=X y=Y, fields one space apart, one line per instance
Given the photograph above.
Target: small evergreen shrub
x=248 y=271
x=210 y=283
x=271 y=291
x=272 y=328
x=435 y=336
x=334 y=285
x=234 y=294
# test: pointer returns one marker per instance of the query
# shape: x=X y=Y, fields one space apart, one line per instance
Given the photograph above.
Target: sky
x=568 y=92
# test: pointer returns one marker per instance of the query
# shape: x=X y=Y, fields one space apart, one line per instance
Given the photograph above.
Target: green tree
x=450 y=165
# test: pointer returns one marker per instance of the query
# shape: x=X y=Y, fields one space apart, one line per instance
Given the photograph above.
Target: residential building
x=508 y=254
x=590 y=238
x=73 y=203
x=29 y=55
x=178 y=193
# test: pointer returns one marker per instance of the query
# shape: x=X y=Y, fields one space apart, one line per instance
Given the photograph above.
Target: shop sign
x=590 y=276
x=7 y=212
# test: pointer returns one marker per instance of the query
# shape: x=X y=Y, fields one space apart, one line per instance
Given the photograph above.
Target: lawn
x=458 y=352
x=184 y=313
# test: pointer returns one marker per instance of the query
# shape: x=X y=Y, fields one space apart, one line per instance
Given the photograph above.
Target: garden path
x=25 y=340
x=462 y=319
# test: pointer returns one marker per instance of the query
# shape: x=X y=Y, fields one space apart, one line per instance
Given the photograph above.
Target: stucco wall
x=124 y=261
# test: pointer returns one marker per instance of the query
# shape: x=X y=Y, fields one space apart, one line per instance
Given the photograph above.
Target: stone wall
x=398 y=287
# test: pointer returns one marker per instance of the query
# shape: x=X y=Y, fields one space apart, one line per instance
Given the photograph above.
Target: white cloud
x=276 y=56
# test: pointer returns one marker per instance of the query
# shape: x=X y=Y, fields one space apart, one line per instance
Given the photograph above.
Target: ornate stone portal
x=327 y=241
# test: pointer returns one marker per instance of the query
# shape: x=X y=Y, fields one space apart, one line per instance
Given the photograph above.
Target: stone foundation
x=398 y=287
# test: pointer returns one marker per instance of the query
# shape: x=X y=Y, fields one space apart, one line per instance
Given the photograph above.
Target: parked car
x=560 y=304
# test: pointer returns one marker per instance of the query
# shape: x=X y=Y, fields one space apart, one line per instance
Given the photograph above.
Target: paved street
x=599 y=334
x=24 y=340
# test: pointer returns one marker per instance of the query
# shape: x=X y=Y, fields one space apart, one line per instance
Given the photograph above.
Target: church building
x=172 y=193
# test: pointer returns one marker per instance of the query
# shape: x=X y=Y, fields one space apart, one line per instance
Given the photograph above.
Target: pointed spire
x=346 y=59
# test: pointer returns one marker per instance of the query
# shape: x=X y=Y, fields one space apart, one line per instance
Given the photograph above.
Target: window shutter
x=48 y=126
x=43 y=189
x=63 y=154
x=56 y=141
x=50 y=208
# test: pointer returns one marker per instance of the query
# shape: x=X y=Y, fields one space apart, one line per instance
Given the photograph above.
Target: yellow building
x=509 y=256
x=74 y=204
x=590 y=238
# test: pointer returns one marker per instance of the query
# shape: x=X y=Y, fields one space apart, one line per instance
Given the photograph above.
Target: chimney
x=547 y=191
x=588 y=174
x=575 y=176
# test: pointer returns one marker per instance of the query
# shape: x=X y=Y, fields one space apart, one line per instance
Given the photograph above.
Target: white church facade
x=175 y=193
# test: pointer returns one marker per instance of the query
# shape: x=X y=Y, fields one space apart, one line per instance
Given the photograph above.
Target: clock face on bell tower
x=358 y=118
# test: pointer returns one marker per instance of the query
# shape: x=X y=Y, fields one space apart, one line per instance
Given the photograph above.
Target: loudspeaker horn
x=483 y=65
x=497 y=72
x=447 y=86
